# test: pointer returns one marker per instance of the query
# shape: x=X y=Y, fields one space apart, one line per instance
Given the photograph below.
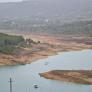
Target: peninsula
x=73 y=76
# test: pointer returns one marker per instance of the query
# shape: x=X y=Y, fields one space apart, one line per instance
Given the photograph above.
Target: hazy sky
x=9 y=0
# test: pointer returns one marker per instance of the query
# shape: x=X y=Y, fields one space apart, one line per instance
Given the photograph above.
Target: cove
x=25 y=76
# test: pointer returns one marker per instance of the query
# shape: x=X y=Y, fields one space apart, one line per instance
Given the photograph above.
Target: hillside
x=17 y=50
x=78 y=28
x=47 y=8
x=48 y=16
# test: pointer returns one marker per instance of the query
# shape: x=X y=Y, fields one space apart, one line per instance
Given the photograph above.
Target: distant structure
x=10 y=84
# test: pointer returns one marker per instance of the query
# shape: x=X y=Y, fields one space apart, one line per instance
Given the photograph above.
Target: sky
x=9 y=0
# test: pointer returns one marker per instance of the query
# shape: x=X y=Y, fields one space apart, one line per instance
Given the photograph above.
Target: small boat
x=46 y=63
x=36 y=86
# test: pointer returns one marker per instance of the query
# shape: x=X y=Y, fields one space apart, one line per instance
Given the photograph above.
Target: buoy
x=46 y=63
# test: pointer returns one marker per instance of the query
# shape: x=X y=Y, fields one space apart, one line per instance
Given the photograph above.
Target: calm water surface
x=24 y=77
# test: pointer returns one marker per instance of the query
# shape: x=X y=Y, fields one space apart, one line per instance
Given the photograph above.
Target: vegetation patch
x=8 y=43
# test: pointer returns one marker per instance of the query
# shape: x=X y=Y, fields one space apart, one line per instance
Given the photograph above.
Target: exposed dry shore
x=50 y=45
x=74 y=76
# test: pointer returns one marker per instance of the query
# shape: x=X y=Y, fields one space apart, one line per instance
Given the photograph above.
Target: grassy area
x=7 y=49
x=8 y=43
x=6 y=39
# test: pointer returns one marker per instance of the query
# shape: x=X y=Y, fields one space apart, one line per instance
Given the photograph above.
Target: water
x=26 y=76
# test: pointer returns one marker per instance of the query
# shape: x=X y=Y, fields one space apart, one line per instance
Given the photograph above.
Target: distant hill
x=53 y=28
x=47 y=8
x=48 y=16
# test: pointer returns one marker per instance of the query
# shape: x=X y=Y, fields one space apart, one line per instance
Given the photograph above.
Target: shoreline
x=33 y=59
x=83 y=77
x=49 y=46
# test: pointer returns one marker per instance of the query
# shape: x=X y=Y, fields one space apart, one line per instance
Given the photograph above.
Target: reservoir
x=26 y=76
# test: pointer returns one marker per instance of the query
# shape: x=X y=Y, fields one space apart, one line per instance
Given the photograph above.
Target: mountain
x=47 y=8
x=48 y=16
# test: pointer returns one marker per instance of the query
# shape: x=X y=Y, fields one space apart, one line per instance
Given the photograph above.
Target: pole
x=10 y=84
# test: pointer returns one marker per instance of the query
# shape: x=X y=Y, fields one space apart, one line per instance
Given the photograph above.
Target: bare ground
x=74 y=76
x=50 y=45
